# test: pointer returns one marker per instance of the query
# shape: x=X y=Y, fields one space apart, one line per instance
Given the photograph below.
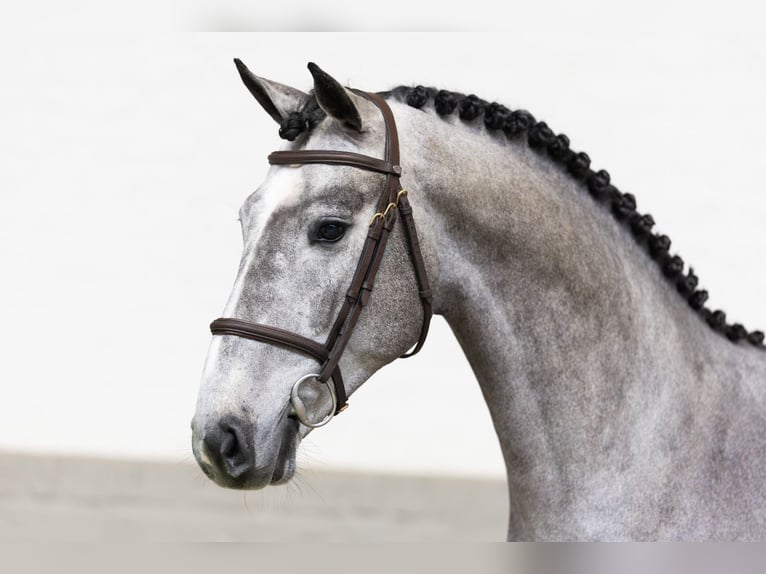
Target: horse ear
x=278 y=100
x=337 y=101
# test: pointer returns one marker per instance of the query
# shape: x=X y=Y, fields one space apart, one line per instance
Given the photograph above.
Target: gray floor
x=92 y=499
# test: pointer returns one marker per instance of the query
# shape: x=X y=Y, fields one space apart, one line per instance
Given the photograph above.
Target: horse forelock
x=302 y=120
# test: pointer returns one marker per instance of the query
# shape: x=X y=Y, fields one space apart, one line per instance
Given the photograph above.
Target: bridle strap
x=424 y=287
x=334 y=158
x=358 y=294
x=392 y=200
x=269 y=334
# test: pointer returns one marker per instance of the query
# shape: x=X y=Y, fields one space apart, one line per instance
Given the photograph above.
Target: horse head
x=301 y=299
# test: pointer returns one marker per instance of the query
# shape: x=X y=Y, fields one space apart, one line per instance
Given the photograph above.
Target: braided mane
x=520 y=124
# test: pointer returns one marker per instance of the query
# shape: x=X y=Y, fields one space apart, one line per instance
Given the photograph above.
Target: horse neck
x=557 y=309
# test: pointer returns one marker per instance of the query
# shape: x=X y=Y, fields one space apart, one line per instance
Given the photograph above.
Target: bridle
x=393 y=200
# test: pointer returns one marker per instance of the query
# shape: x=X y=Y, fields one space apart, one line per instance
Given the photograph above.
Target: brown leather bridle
x=393 y=199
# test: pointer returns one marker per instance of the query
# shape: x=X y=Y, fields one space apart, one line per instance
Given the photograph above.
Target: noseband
x=393 y=200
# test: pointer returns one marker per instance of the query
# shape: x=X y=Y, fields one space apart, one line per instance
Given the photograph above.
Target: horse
x=625 y=408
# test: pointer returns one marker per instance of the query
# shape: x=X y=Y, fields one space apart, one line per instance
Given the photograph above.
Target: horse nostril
x=234 y=450
x=228 y=450
x=229 y=445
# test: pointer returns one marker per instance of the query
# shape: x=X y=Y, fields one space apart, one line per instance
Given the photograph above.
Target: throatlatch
x=392 y=200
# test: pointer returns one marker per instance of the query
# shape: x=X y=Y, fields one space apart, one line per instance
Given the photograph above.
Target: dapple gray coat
x=621 y=414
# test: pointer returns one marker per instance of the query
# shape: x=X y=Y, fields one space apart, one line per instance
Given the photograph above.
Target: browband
x=334 y=158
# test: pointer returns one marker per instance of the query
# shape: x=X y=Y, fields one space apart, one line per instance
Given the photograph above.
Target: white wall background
x=124 y=156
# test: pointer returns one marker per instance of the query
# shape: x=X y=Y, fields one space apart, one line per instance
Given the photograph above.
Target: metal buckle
x=374 y=217
x=299 y=407
x=383 y=215
x=393 y=205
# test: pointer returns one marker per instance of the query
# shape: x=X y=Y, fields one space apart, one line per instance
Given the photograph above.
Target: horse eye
x=330 y=231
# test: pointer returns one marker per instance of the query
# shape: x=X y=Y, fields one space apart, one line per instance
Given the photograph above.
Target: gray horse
x=625 y=408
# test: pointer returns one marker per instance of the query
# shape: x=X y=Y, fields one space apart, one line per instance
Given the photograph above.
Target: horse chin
x=284 y=469
x=283 y=472
x=284 y=465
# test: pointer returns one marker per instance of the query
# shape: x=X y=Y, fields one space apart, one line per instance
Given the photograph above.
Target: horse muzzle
x=226 y=452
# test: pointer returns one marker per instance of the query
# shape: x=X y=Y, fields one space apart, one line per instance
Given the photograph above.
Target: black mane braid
x=518 y=124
